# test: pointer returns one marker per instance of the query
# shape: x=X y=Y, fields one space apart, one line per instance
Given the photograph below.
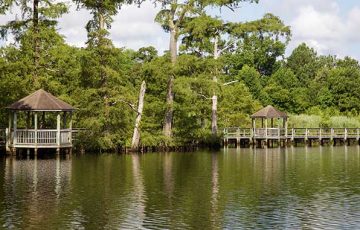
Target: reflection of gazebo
x=265 y=114
x=31 y=134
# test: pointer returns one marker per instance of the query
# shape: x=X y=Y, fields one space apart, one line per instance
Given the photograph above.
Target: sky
x=329 y=26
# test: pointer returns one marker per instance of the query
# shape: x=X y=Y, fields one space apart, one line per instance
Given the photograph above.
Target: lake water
x=293 y=188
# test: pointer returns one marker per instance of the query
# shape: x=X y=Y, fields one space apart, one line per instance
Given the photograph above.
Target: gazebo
x=32 y=120
x=266 y=132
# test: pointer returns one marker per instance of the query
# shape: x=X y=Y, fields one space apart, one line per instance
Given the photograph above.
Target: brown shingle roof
x=269 y=112
x=41 y=101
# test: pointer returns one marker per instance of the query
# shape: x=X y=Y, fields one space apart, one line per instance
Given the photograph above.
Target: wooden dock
x=279 y=136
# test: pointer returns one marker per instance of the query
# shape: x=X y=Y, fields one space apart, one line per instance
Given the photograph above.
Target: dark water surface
x=293 y=188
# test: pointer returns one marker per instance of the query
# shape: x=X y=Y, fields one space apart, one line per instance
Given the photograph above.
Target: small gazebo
x=269 y=113
x=32 y=123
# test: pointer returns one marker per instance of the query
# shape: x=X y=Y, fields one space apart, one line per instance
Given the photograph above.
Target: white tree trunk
x=136 y=135
x=169 y=109
x=214 y=116
x=214 y=127
x=173 y=45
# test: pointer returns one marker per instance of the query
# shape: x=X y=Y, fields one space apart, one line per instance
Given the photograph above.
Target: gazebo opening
x=40 y=120
x=272 y=120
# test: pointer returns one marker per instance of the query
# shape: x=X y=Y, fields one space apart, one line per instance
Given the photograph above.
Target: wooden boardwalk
x=269 y=136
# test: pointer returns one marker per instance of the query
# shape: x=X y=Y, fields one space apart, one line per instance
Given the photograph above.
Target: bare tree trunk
x=101 y=21
x=214 y=126
x=36 y=39
x=173 y=45
x=214 y=116
x=136 y=135
x=167 y=129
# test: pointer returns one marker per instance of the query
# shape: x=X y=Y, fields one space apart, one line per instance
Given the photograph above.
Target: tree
x=37 y=16
x=303 y=61
x=259 y=44
x=172 y=17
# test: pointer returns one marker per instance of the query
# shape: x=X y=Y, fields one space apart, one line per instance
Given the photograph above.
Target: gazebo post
x=266 y=134
x=58 y=126
x=36 y=131
x=279 y=131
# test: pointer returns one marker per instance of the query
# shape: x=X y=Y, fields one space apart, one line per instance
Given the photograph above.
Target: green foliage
x=236 y=104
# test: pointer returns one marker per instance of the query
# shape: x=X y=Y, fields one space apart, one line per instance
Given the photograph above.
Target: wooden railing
x=43 y=137
x=65 y=136
x=293 y=133
x=237 y=132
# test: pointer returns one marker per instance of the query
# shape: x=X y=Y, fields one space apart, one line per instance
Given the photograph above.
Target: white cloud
x=353 y=25
x=134 y=28
x=72 y=26
x=327 y=31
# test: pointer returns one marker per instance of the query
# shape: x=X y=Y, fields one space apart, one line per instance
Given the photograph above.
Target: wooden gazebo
x=32 y=120
x=266 y=131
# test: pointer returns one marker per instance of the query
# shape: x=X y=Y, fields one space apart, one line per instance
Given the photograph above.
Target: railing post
x=292 y=134
x=7 y=138
x=320 y=134
x=306 y=134
x=357 y=134
x=345 y=137
x=237 y=132
x=238 y=137
x=332 y=134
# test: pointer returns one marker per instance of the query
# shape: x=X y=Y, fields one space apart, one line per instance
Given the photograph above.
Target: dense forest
x=214 y=74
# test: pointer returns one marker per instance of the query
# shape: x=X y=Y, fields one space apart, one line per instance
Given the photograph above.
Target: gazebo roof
x=269 y=112
x=41 y=100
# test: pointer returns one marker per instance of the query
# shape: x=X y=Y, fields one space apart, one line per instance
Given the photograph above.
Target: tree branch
x=131 y=105
x=203 y=96
x=225 y=48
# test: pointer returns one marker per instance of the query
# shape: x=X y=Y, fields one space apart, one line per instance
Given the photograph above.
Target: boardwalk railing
x=237 y=132
x=293 y=133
